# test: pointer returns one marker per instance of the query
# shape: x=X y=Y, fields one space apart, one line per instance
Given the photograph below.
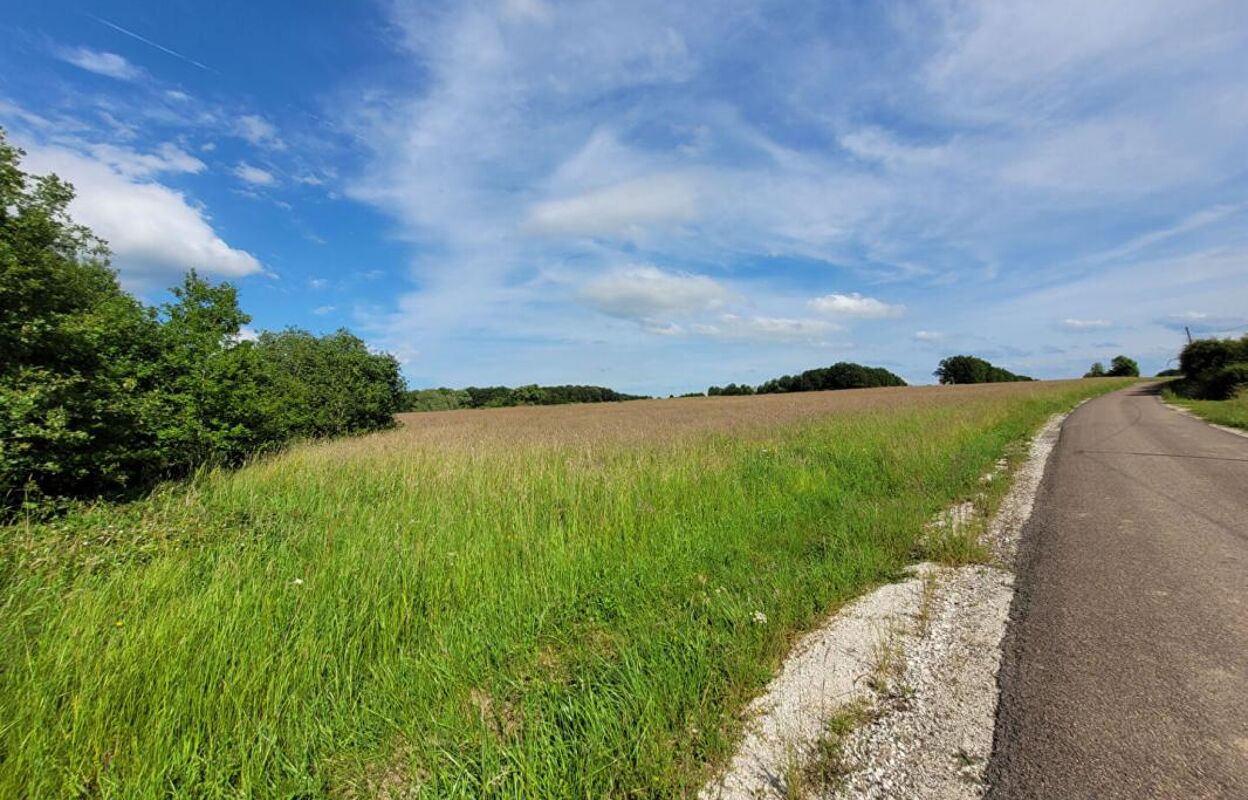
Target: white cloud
x=625 y=209
x=646 y=292
x=254 y=175
x=258 y=131
x=735 y=327
x=1086 y=324
x=321 y=311
x=317 y=283
x=928 y=336
x=154 y=232
x=133 y=164
x=100 y=62
x=856 y=306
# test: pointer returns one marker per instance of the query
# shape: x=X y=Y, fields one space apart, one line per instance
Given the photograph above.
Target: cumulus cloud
x=855 y=306
x=155 y=232
x=645 y=292
x=100 y=62
x=254 y=175
x=928 y=336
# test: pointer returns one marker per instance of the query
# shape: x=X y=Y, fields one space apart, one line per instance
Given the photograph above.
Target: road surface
x=1125 y=672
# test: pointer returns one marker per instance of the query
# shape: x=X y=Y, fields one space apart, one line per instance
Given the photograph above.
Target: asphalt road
x=1126 y=660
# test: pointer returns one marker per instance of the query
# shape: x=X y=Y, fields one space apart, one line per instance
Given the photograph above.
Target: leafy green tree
x=329 y=385
x=1123 y=367
x=841 y=375
x=73 y=349
x=1097 y=371
x=1214 y=369
x=969 y=369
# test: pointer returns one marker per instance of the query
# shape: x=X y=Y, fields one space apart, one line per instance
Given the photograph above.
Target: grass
x=1232 y=412
x=554 y=602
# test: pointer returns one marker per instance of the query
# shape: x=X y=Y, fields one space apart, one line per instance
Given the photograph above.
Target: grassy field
x=527 y=602
x=1233 y=412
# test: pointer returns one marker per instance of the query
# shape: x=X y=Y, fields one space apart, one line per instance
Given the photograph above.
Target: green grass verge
x=1233 y=412
x=581 y=619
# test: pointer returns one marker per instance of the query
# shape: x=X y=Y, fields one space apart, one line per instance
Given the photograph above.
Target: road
x=1125 y=672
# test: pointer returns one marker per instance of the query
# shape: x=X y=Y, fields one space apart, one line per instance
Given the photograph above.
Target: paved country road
x=1125 y=672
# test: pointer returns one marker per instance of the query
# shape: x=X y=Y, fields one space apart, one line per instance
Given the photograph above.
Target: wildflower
x=759 y=618
x=297 y=581
x=119 y=623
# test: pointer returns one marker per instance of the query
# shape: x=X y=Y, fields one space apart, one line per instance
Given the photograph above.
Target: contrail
x=150 y=43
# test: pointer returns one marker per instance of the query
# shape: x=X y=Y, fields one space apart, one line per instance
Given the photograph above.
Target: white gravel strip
x=932 y=735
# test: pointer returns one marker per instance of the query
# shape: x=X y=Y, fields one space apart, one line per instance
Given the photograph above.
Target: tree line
x=101 y=394
x=444 y=399
x=842 y=375
x=969 y=369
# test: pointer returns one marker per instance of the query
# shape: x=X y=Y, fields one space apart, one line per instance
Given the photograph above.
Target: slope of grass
x=529 y=604
x=1232 y=412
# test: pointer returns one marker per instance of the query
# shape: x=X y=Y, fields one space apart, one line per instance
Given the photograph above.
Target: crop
x=526 y=602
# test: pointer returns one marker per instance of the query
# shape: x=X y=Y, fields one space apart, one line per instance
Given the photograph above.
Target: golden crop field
x=564 y=601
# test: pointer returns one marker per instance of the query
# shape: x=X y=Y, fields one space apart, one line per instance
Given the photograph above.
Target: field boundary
x=912 y=663
x=1175 y=407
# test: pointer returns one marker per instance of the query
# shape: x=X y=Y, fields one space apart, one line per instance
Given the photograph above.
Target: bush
x=969 y=369
x=1097 y=371
x=1213 y=369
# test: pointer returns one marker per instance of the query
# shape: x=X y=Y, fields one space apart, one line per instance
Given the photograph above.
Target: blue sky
x=661 y=196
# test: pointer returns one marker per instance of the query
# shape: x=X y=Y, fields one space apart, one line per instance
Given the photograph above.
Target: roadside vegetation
x=539 y=602
x=1214 y=380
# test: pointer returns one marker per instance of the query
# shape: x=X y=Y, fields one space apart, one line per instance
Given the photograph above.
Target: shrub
x=1097 y=371
x=1213 y=368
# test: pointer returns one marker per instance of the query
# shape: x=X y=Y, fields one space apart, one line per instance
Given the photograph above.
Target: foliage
x=730 y=389
x=100 y=394
x=1213 y=369
x=471 y=607
x=1123 y=367
x=1170 y=373
x=1096 y=371
x=969 y=369
x=441 y=399
x=503 y=396
x=841 y=375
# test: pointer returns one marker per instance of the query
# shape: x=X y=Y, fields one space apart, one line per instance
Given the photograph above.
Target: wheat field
x=527 y=602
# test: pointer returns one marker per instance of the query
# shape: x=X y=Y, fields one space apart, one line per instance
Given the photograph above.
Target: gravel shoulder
x=915 y=665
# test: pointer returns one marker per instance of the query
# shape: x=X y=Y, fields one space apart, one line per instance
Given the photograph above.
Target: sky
x=660 y=196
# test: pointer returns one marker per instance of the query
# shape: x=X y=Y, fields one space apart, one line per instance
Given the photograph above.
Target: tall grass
x=483 y=615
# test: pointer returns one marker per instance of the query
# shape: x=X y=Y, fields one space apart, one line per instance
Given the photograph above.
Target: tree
x=841 y=375
x=73 y=349
x=1123 y=367
x=1097 y=371
x=969 y=369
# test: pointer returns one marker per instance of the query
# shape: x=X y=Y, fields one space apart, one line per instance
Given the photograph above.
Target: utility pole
x=1188 y=331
